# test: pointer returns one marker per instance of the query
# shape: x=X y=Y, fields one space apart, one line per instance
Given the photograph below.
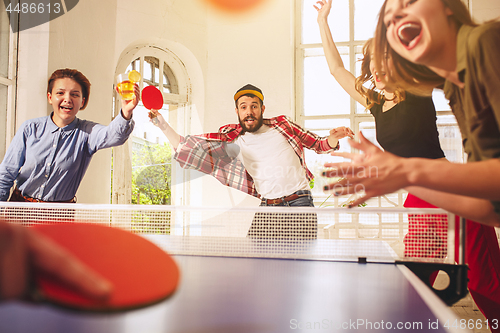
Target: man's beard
x=255 y=127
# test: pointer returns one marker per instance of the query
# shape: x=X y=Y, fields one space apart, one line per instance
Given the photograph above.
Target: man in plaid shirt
x=261 y=157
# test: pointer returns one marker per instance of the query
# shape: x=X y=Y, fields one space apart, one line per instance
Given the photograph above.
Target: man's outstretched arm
x=173 y=137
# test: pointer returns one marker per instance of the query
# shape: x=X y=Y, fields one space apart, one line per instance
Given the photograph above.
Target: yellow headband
x=244 y=92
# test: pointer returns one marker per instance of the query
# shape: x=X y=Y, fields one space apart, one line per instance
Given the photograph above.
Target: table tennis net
x=362 y=234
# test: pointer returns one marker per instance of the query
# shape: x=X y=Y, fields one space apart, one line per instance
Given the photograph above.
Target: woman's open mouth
x=408 y=34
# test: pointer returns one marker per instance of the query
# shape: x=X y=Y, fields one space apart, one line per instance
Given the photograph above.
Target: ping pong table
x=237 y=294
x=266 y=286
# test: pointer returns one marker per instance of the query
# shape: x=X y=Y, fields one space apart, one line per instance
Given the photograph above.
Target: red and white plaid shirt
x=207 y=152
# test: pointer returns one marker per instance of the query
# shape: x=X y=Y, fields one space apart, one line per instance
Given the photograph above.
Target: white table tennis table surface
x=236 y=294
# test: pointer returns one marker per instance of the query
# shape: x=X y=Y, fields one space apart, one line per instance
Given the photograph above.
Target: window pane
x=360 y=109
x=169 y=80
x=4 y=43
x=166 y=84
x=322 y=124
x=148 y=72
x=440 y=102
x=450 y=138
x=134 y=65
x=144 y=125
x=338 y=21
x=151 y=160
x=368 y=130
x=151 y=154
x=157 y=75
x=3 y=118
x=365 y=18
x=322 y=94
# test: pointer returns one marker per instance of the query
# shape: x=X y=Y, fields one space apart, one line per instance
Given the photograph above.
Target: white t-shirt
x=272 y=163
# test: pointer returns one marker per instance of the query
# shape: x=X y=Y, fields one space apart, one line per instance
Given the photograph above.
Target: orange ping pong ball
x=235 y=5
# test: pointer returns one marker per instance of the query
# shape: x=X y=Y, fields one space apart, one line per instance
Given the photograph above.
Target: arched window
x=143 y=172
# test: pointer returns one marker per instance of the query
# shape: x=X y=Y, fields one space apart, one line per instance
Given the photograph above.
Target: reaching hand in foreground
x=24 y=251
x=372 y=171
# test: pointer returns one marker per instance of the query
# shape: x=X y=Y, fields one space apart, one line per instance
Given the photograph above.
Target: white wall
x=484 y=10
x=255 y=48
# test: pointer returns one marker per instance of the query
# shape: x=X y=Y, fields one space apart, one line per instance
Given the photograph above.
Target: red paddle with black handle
x=152 y=99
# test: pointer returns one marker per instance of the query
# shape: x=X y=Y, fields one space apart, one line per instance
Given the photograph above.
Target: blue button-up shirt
x=48 y=162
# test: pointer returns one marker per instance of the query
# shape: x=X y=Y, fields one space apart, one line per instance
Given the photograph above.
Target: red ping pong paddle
x=152 y=98
x=141 y=273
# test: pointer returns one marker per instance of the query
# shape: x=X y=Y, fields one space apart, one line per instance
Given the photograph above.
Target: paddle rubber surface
x=152 y=98
x=141 y=272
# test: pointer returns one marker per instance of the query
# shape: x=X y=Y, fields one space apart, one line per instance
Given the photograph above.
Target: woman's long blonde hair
x=366 y=76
